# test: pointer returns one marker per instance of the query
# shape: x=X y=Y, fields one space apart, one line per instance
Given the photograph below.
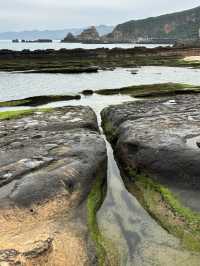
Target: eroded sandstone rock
x=156 y=145
x=45 y=180
x=155 y=136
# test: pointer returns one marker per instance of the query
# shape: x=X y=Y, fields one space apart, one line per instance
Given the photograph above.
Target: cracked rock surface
x=48 y=164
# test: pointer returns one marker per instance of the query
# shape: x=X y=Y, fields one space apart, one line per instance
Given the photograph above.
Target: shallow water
x=56 y=45
x=20 y=85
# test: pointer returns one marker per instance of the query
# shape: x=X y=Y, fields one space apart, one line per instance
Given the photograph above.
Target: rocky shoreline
x=80 y=60
x=154 y=146
x=62 y=198
x=49 y=162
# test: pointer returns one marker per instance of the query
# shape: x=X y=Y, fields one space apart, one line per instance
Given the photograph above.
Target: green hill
x=180 y=25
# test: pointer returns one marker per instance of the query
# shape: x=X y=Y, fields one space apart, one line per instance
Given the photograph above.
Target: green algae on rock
x=39 y=100
x=159 y=166
x=166 y=208
x=153 y=90
x=94 y=202
x=46 y=179
x=80 y=60
x=7 y=115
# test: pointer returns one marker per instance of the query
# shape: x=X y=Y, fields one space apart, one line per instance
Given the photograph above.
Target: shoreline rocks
x=49 y=162
x=156 y=146
x=90 y=60
x=39 y=100
x=152 y=137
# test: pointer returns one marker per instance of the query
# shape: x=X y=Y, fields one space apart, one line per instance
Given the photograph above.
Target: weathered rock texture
x=160 y=139
x=48 y=164
x=150 y=143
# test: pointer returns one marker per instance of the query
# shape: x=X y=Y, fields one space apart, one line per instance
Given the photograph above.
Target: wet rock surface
x=137 y=132
x=160 y=138
x=49 y=162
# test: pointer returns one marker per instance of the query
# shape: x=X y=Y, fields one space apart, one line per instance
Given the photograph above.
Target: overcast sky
x=60 y=14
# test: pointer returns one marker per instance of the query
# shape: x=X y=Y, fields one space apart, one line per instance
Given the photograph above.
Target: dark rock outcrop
x=87 y=60
x=89 y=35
x=70 y=38
x=40 y=41
x=187 y=43
x=49 y=162
x=159 y=138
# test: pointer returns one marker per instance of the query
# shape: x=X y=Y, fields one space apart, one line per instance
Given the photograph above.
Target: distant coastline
x=50 y=34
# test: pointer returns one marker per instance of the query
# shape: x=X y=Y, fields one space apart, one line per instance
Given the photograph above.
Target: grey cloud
x=55 y=14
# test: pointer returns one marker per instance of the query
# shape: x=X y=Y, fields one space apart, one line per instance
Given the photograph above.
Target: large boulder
x=49 y=161
x=156 y=143
x=161 y=139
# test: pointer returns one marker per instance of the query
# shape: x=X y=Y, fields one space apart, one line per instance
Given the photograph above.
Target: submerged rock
x=49 y=162
x=88 y=92
x=63 y=70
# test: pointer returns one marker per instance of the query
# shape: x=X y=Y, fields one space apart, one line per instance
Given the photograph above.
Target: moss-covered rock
x=166 y=208
x=7 y=115
x=49 y=162
x=80 y=60
x=152 y=144
x=39 y=100
x=153 y=90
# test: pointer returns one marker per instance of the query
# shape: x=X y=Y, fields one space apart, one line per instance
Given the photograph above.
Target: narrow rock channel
x=137 y=239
